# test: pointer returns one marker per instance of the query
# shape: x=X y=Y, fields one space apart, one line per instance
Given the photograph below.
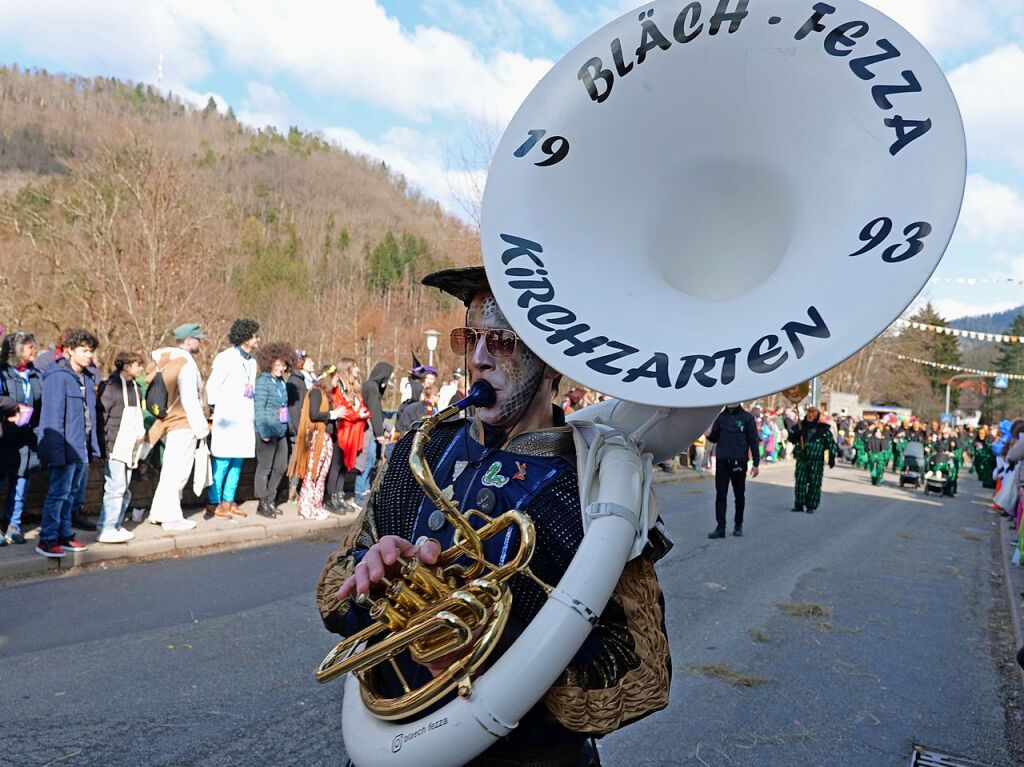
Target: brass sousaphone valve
x=460 y=605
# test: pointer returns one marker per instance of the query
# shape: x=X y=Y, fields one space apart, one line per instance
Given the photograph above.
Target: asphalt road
x=208 y=660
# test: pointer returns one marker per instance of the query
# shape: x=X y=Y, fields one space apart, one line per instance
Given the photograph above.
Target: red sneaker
x=52 y=550
x=70 y=544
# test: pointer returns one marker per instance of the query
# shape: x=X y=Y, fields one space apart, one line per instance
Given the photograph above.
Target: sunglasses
x=499 y=342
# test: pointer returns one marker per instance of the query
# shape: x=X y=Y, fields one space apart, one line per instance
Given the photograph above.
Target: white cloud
x=263 y=106
x=942 y=26
x=195 y=98
x=990 y=91
x=107 y=37
x=1010 y=265
x=504 y=23
x=954 y=308
x=992 y=213
x=350 y=49
x=355 y=49
x=415 y=155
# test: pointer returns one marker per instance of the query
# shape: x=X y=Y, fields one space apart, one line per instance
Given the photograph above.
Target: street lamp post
x=432 y=336
x=950 y=381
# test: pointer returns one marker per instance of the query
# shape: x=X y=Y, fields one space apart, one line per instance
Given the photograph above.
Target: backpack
x=157 y=396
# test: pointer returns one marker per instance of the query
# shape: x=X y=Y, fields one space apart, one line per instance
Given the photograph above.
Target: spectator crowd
x=315 y=433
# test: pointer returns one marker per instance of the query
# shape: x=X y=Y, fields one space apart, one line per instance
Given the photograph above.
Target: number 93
x=875 y=232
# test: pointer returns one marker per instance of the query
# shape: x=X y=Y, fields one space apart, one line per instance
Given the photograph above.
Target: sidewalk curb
x=196 y=540
x=191 y=541
x=1011 y=592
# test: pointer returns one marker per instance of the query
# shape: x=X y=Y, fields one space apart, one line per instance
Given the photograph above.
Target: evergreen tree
x=940 y=348
x=1010 y=401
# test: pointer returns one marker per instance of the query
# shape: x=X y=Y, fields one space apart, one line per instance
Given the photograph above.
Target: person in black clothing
x=301 y=378
x=735 y=434
x=372 y=390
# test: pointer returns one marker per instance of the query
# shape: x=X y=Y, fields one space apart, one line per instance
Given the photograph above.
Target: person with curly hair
x=272 y=424
x=230 y=393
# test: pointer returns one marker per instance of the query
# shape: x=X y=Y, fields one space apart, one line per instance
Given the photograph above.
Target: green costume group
x=811 y=441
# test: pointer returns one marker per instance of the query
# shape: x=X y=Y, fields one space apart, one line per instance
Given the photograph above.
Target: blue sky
x=428 y=86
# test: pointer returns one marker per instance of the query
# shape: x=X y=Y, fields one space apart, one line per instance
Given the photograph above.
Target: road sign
x=1002 y=382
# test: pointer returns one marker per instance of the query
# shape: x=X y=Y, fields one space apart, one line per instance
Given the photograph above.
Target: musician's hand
x=381 y=560
x=754 y=471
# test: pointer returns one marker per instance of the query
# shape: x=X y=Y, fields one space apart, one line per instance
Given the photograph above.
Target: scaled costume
x=984 y=463
x=811 y=440
x=878 y=456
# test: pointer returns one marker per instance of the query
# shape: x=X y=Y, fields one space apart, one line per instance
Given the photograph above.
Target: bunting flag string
x=976 y=335
x=976 y=280
x=957 y=368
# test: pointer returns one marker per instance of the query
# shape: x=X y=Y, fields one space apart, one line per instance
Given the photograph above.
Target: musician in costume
x=515 y=454
x=899 y=441
x=982 y=458
x=950 y=444
x=811 y=440
x=878 y=455
x=860 y=439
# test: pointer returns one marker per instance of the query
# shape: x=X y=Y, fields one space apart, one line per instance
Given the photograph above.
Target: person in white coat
x=230 y=391
x=182 y=429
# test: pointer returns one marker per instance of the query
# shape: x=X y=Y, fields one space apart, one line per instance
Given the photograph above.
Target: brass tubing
x=425 y=478
x=405 y=597
x=330 y=667
x=400 y=641
x=419 y=575
x=391 y=615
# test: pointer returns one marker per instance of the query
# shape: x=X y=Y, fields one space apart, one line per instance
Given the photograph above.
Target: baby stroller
x=939 y=477
x=913 y=464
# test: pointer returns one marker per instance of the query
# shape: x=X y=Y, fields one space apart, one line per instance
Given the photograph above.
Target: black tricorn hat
x=463 y=282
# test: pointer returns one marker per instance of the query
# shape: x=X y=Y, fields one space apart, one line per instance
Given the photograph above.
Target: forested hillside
x=128 y=213
x=998 y=322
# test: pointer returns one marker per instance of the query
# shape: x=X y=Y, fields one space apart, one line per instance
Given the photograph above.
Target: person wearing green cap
x=182 y=429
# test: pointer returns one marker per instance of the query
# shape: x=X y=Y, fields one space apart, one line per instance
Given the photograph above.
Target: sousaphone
x=674 y=217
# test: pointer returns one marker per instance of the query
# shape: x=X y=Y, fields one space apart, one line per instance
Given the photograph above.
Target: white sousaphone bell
x=671 y=218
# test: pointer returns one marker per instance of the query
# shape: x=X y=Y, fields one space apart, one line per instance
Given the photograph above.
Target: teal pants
x=226 y=472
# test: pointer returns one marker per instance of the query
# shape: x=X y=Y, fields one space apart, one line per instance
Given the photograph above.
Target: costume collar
x=555 y=441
